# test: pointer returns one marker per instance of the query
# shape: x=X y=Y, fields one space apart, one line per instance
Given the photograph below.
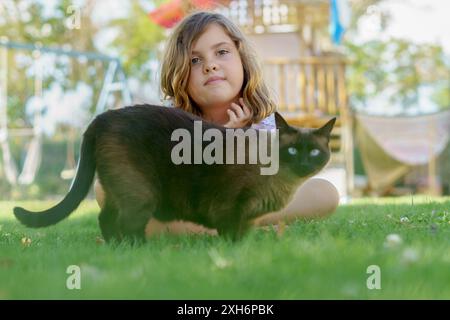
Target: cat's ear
x=280 y=122
x=325 y=130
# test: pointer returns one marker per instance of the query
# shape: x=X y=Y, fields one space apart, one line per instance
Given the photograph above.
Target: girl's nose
x=210 y=67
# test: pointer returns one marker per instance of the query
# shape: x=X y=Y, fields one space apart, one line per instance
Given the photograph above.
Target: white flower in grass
x=137 y=273
x=410 y=255
x=404 y=220
x=92 y=272
x=219 y=261
x=350 y=290
x=393 y=240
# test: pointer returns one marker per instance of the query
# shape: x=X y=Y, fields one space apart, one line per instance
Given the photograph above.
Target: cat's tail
x=78 y=190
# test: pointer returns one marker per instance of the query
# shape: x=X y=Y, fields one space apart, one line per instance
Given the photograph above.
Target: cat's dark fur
x=130 y=149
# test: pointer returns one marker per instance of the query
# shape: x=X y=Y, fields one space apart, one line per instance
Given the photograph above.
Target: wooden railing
x=259 y=16
x=311 y=90
x=308 y=85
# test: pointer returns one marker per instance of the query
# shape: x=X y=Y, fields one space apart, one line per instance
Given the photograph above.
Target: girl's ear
x=280 y=122
x=325 y=130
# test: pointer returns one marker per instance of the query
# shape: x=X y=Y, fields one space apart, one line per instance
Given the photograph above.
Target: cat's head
x=305 y=151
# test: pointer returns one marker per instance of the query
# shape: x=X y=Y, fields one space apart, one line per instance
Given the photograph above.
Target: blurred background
x=381 y=66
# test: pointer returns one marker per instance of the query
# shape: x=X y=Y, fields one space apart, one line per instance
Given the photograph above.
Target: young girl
x=209 y=69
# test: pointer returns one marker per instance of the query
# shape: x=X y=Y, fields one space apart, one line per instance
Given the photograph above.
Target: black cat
x=130 y=148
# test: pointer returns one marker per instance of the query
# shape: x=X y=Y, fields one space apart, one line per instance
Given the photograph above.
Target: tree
x=400 y=68
x=137 y=40
x=30 y=22
x=26 y=22
x=397 y=68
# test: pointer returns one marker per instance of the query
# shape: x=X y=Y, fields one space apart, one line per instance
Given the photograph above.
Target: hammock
x=390 y=146
x=410 y=140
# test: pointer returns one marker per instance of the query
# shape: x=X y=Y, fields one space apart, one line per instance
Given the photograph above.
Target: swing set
x=114 y=80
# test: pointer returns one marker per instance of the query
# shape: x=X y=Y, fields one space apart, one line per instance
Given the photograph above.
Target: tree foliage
x=28 y=22
x=399 y=66
x=396 y=67
x=137 y=40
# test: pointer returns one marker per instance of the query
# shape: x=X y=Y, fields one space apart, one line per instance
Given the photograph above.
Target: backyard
x=380 y=68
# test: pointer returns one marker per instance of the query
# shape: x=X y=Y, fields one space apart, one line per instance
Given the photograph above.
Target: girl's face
x=217 y=74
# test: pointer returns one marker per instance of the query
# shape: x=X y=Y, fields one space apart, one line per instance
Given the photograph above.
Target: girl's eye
x=292 y=151
x=222 y=52
x=314 y=152
x=195 y=60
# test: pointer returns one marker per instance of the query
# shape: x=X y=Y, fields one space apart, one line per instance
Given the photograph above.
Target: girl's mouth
x=214 y=80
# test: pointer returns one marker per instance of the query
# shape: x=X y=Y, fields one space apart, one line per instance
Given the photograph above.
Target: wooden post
x=434 y=187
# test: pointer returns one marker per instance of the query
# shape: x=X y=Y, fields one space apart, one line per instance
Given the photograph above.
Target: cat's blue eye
x=314 y=152
x=292 y=151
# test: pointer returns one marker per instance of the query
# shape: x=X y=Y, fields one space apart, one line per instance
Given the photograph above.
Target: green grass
x=322 y=259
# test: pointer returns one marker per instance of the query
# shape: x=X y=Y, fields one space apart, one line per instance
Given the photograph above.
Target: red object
x=168 y=14
x=204 y=4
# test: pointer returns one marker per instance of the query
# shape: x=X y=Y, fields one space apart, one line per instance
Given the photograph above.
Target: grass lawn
x=325 y=259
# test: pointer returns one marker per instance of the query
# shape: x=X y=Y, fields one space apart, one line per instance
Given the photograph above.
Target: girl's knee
x=321 y=194
x=316 y=198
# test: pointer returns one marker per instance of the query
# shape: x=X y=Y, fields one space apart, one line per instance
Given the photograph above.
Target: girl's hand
x=239 y=116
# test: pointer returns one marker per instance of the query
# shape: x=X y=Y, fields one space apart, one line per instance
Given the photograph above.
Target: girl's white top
x=267 y=123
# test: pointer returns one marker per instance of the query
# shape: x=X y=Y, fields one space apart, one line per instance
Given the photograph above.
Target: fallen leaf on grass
x=26 y=242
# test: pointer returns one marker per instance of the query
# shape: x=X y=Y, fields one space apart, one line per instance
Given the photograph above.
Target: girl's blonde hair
x=177 y=63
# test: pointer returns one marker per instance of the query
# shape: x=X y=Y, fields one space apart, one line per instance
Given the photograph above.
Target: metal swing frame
x=110 y=84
